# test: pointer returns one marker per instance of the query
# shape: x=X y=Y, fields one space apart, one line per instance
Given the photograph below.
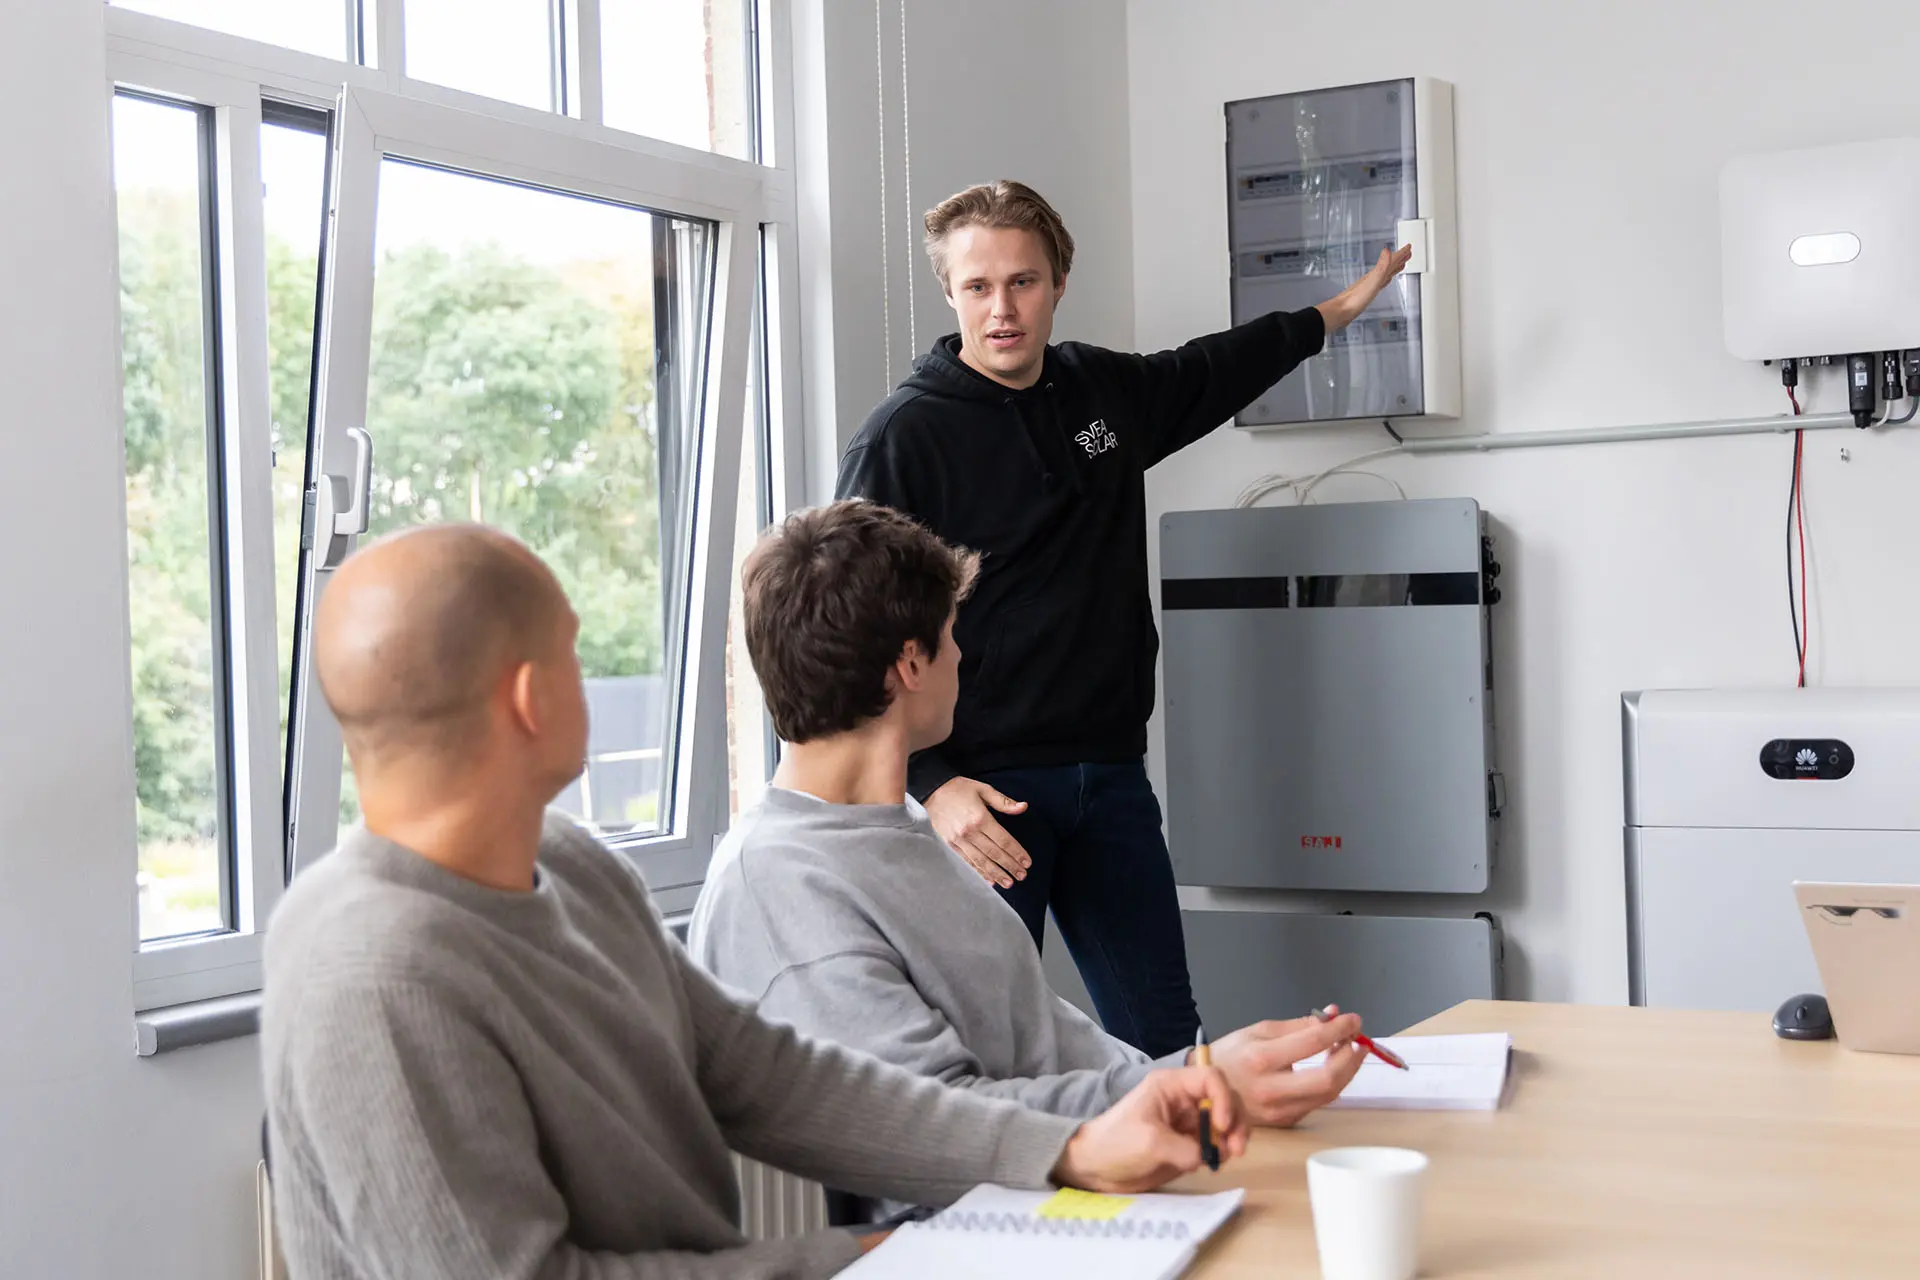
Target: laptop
x=1866 y=940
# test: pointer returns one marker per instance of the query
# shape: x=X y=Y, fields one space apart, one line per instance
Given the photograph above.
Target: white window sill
x=168 y=975
x=182 y=1026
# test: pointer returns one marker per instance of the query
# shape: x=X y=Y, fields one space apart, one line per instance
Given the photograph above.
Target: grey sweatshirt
x=857 y=924
x=464 y=1081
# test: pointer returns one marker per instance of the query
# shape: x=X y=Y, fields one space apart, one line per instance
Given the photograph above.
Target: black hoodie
x=1057 y=640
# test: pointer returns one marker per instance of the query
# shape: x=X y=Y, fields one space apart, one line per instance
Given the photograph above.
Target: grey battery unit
x=1393 y=971
x=1329 y=696
x=1246 y=966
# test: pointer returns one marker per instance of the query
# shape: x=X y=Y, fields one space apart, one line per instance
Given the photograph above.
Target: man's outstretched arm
x=1187 y=392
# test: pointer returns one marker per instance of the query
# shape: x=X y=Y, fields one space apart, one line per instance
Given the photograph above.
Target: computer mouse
x=1804 y=1018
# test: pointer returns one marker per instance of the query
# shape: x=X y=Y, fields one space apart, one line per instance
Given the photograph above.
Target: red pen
x=1379 y=1051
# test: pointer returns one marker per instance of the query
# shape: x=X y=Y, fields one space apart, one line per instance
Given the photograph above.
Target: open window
x=549 y=334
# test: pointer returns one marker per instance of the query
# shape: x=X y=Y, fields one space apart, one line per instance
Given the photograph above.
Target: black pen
x=1203 y=1057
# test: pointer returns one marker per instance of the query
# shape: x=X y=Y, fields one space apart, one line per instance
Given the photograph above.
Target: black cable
x=1790 y=378
x=1793 y=600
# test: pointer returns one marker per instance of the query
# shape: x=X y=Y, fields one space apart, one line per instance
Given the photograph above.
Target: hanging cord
x=1796 y=522
x=1798 y=610
x=1797 y=528
x=906 y=182
x=1348 y=465
x=1302 y=486
x=886 y=266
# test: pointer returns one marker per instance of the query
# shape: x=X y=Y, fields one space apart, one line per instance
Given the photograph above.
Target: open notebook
x=1444 y=1073
x=992 y=1232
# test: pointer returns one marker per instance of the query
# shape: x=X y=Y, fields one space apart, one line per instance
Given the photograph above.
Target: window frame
x=751 y=202
x=201 y=966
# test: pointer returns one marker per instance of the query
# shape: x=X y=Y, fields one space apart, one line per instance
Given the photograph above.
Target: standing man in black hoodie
x=1035 y=456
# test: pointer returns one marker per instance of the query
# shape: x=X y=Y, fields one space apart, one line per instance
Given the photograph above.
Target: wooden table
x=1635 y=1144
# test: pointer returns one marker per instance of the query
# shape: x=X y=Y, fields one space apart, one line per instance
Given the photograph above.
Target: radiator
x=774 y=1205
x=272 y=1266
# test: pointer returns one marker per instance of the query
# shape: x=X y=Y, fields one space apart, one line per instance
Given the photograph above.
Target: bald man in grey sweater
x=484 y=1056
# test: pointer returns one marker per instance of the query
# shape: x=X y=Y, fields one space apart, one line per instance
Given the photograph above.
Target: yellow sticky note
x=1069 y=1202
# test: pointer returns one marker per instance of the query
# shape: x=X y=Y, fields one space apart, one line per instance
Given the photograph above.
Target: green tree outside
x=501 y=390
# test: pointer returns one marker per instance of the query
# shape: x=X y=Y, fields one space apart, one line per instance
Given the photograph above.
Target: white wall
x=1590 y=140
x=109 y=1165
x=1028 y=89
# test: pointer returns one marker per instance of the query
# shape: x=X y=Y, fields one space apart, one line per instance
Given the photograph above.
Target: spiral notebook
x=992 y=1233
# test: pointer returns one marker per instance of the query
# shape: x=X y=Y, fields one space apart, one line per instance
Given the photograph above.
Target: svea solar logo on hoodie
x=1097 y=438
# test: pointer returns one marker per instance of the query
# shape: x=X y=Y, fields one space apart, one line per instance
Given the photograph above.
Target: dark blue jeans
x=1100 y=862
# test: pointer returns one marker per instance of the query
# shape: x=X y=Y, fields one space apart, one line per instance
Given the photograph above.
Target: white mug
x=1366 y=1211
